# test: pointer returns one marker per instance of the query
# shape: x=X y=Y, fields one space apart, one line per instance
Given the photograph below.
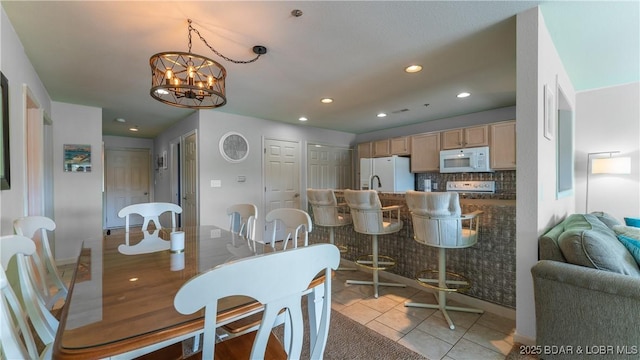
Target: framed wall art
x=234 y=147
x=5 y=158
x=77 y=158
x=549 y=113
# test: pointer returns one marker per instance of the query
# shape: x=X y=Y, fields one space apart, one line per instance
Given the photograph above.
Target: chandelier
x=188 y=80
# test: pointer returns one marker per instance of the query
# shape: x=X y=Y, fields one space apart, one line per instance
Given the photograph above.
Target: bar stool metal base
x=443 y=289
x=373 y=262
x=343 y=249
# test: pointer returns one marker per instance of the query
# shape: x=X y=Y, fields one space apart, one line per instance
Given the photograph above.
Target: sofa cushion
x=632 y=222
x=628 y=231
x=632 y=245
x=587 y=241
x=606 y=218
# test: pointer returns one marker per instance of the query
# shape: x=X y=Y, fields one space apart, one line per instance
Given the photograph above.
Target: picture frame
x=234 y=147
x=5 y=157
x=161 y=160
x=549 y=113
x=77 y=158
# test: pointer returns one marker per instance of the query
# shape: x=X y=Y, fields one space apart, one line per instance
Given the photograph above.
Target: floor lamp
x=605 y=165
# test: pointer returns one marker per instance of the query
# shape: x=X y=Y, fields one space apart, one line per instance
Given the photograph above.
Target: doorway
x=281 y=178
x=126 y=182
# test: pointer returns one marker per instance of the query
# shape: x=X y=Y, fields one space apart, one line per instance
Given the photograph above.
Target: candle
x=177 y=242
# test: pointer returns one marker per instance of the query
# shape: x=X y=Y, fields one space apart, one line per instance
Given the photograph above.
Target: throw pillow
x=635 y=222
x=632 y=245
x=628 y=231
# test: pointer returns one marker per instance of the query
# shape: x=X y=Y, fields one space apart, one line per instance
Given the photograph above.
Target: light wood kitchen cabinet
x=365 y=150
x=400 y=145
x=465 y=137
x=381 y=148
x=503 y=145
x=425 y=152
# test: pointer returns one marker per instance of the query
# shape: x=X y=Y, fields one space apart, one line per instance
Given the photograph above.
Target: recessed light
x=413 y=68
x=302 y=118
x=135 y=128
x=381 y=115
x=326 y=100
x=464 y=95
x=121 y=120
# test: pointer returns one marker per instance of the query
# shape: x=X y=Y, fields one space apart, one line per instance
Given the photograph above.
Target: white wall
x=77 y=196
x=19 y=72
x=609 y=120
x=537 y=206
x=212 y=125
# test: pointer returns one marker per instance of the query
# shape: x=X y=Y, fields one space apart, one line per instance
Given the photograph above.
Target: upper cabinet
x=465 y=137
x=400 y=145
x=381 y=148
x=503 y=145
x=425 y=151
x=364 y=150
x=386 y=147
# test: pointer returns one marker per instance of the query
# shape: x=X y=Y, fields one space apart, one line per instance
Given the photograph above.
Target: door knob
x=296 y=195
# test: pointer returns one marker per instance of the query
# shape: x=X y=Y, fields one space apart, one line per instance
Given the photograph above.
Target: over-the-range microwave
x=465 y=160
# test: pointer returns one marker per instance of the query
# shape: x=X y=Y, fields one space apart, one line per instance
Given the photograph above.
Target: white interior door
x=282 y=175
x=190 y=181
x=127 y=182
x=328 y=167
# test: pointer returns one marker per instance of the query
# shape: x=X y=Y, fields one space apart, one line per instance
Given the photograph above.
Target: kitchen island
x=490 y=265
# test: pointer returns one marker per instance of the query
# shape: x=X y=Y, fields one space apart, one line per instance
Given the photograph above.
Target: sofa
x=587 y=292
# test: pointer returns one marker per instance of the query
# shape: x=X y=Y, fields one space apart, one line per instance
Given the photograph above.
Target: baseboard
x=465 y=299
x=524 y=340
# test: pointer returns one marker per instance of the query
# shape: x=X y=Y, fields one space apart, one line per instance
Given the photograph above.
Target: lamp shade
x=617 y=165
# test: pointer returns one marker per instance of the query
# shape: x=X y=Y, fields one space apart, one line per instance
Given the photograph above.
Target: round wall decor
x=234 y=147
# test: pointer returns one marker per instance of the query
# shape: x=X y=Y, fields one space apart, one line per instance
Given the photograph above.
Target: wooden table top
x=119 y=302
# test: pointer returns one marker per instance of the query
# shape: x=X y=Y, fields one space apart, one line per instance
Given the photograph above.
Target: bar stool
x=327 y=212
x=369 y=218
x=438 y=222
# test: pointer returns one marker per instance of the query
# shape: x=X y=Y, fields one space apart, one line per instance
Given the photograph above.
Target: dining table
x=120 y=299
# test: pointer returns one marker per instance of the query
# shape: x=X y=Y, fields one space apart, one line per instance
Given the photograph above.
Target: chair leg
x=375 y=267
x=441 y=297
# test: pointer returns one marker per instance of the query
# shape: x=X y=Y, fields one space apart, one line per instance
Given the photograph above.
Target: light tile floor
x=425 y=331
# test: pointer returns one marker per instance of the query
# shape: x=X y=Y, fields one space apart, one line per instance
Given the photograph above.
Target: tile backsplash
x=505 y=182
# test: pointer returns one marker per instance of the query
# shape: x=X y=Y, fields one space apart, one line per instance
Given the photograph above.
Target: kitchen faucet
x=371 y=181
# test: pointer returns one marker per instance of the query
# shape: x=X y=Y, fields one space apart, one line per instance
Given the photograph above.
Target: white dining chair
x=151 y=242
x=150 y=212
x=17 y=341
x=291 y=223
x=242 y=221
x=36 y=228
x=296 y=268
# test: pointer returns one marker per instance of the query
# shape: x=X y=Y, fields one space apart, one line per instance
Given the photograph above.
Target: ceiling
x=96 y=53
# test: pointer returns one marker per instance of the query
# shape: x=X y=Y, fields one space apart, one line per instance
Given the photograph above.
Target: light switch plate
x=216 y=183
x=215 y=233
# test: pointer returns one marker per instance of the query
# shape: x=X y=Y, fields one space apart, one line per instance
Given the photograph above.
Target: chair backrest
x=150 y=212
x=366 y=211
x=16 y=336
x=292 y=222
x=437 y=219
x=36 y=227
x=151 y=242
x=242 y=220
x=326 y=211
x=295 y=269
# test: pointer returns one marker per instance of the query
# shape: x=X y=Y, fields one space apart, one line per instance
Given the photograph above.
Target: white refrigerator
x=393 y=171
